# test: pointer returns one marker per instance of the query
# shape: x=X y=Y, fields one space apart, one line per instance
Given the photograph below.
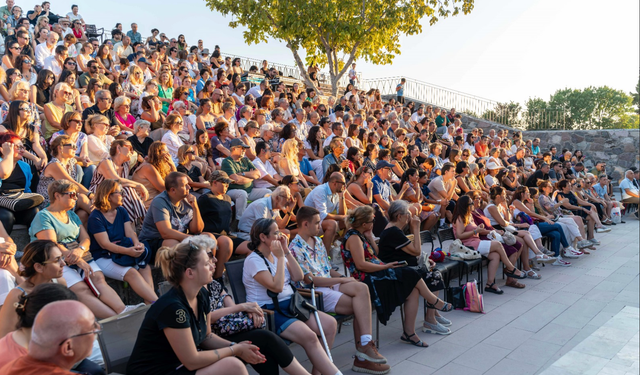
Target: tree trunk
x=334 y=86
x=303 y=72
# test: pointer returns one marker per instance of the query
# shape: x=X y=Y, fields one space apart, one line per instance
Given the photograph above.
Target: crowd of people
x=127 y=154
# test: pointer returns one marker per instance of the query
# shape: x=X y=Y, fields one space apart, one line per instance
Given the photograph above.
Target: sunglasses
x=71 y=194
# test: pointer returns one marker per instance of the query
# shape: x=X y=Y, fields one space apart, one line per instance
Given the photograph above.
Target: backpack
x=472 y=297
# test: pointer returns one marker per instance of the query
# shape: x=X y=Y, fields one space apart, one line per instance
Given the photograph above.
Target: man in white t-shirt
x=269 y=177
x=629 y=190
x=257 y=90
x=417 y=116
x=353 y=75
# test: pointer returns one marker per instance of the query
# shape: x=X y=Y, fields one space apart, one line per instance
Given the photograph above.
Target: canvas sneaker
x=584 y=243
x=368 y=367
x=444 y=321
x=437 y=328
x=369 y=353
x=561 y=263
x=603 y=230
x=594 y=241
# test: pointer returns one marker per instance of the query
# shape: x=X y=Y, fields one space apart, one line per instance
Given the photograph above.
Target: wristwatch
x=83 y=248
x=232 y=344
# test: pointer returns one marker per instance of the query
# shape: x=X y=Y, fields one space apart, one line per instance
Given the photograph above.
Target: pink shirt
x=10 y=349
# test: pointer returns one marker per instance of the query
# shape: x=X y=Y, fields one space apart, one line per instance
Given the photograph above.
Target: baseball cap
x=221 y=176
x=238 y=143
x=383 y=164
x=143 y=60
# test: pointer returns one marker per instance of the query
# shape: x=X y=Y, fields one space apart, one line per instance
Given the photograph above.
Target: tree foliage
x=636 y=97
x=595 y=107
x=336 y=33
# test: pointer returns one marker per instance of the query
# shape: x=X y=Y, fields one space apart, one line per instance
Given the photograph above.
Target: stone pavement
x=524 y=331
x=612 y=349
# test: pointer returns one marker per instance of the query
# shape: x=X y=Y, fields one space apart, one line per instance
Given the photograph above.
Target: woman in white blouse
x=99 y=142
x=173 y=124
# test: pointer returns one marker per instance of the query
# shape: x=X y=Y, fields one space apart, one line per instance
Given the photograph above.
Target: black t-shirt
x=532 y=181
x=140 y=148
x=572 y=198
x=17 y=180
x=33 y=21
x=392 y=240
x=109 y=113
x=518 y=162
x=194 y=172
x=215 y=213
x=152 y=353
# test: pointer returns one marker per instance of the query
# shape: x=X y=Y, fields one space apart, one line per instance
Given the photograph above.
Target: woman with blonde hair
x=124 y=119
x=98 y=142
x=114 y=242
x=54 y=110
x=133 y=87
x=188 y=165
x=173 y=124
x=165 y=90
x=288 y=163
x=42 y=23
x=152 y=172
x=62 y=166
x=85 y=56
x=116 y=166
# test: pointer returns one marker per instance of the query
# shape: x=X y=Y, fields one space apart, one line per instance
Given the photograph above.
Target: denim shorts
x=282 y=322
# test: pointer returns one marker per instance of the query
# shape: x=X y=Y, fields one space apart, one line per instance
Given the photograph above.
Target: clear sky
x=504 y=50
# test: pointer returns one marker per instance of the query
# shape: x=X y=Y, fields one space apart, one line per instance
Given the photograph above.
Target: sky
x=503 y=50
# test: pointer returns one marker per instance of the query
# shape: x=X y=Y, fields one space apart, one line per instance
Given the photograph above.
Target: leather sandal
x=490 y=288
x=514 y=284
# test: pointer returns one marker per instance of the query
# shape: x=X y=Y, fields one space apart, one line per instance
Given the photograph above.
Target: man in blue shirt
x=535 y=147
x=400 y=90
x=134 y=34
x=328 y=199
x=629 y=190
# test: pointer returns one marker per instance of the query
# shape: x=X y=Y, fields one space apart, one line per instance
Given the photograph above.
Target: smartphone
x=402 y=263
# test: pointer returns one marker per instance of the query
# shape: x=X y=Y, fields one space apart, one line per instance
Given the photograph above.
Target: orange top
x=10 y=349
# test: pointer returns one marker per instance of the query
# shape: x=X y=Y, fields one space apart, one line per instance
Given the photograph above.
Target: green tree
x=336 y=33
x=636 y=96
x=594 y=107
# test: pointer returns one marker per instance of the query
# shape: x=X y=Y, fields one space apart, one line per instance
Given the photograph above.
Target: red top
x=26 y=365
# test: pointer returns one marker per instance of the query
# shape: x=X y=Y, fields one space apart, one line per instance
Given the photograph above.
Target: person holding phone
x=390 y=284
x=395 y=246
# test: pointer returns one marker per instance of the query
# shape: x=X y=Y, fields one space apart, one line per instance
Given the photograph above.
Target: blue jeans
x=554 y=231
x=88 y=175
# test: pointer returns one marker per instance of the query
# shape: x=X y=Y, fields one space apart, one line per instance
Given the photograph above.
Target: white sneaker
x=603 y=230
x=128 y=308
x=561 y=263
x=572 y=253
x=594 y=241
x=584 y=243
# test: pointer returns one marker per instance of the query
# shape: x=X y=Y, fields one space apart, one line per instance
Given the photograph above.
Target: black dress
x=392 y=240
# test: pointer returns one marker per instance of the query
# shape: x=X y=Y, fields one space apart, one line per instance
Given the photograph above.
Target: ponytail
x=174 y=261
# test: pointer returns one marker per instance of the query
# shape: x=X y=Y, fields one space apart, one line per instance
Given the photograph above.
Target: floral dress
x=232 y=323
x=43 y=184
x=388 y=288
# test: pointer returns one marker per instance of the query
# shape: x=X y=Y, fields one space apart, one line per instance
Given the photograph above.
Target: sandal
x=544 y=258
x=446 y=307
x=513 y=275
x=514 y=284
x=489 y=288
x=407 y=338
x=531 y=274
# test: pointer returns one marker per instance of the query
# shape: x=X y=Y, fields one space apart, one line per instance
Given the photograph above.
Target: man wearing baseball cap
x=242 y=171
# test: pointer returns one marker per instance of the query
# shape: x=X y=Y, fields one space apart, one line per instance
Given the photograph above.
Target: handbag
x=460 y=252
x=298 y=307
x=125 y=260
x=18 y=200
x=509 y=238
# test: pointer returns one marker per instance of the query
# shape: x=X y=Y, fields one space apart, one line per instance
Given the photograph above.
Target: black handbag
x=298 y=307
x=455 y=296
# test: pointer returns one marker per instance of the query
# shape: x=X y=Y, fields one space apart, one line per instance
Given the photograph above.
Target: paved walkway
x=524 y=331
x=612 y=349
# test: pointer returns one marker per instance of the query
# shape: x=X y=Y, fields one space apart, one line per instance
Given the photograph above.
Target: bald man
x=62 y=335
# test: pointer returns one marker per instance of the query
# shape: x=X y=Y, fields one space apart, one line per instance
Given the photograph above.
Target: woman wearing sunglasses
x=24 y=64
x=63 y=166
x=59 y=223
x=19 y=119
x=11 y=54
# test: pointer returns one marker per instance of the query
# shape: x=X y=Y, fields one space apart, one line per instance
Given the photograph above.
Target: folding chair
x=93 y=32
x=467 y=265
x=118 y=336
x=446 y=267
